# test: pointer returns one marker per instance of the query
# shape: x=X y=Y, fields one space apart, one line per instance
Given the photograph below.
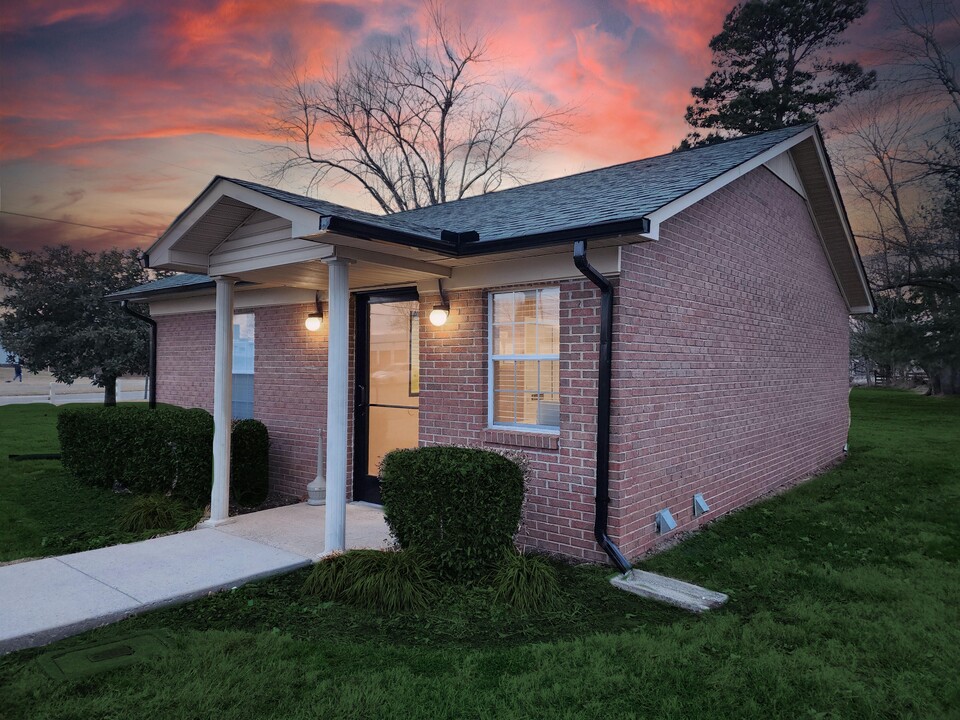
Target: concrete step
x=675 y=592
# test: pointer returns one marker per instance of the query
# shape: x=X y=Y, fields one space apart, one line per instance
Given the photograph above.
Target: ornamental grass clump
x=526 y=583
x=156 y=513
x=383 y=581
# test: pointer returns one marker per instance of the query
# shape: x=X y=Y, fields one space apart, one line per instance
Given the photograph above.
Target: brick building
x=644 y=333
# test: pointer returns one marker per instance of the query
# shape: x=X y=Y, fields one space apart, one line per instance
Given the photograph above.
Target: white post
x=338 y=359
x=52 y=394
x=222 y=401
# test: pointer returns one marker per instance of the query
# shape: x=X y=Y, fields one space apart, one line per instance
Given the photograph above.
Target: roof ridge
x=797 y=128
x=410 y=211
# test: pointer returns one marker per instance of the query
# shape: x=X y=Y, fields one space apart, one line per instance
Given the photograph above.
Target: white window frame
x=491 y=425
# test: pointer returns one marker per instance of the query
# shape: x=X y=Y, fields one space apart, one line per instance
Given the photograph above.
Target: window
x=243 y=332
x=525 y=359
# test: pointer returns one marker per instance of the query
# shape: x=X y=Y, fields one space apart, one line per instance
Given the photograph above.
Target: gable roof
x=618 y=193
x=630 y=199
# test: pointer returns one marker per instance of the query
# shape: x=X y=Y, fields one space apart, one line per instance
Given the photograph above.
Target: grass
x=845 y=603
x=43 y=510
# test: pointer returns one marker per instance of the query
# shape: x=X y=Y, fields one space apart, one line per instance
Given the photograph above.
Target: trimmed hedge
x=459 y=506
x=168 y=451
x=249 y=461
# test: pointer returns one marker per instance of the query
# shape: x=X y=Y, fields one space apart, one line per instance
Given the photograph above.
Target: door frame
x=366 y=487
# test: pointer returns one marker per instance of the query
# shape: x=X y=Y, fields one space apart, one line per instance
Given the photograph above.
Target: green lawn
x=42 y=510
x=845 y=603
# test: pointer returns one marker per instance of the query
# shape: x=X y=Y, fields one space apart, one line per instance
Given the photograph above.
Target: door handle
x=361 y=397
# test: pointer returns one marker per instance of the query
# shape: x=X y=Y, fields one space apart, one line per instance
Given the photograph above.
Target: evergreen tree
x=773 y=70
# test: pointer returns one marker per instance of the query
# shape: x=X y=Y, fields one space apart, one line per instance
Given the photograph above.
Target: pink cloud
x=139 y=104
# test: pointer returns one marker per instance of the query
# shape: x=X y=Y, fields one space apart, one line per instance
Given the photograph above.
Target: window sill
x=519 y=438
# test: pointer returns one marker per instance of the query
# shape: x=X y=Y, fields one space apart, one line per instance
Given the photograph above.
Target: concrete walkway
x=46 y=600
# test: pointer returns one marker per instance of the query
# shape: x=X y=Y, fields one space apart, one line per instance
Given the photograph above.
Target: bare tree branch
x=413 y=122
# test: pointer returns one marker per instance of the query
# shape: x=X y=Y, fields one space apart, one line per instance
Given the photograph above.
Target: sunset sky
x=117 y=114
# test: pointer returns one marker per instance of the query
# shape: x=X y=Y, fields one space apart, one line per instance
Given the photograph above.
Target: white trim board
x=695 y=196
x=244 y=298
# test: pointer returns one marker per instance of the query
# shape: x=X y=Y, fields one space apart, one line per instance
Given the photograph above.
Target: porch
x=300 y=528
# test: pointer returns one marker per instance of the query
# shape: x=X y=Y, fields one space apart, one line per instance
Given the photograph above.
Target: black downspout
x=603 y=404
x=153 y=349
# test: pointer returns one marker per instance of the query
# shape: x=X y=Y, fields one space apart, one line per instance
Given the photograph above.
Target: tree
x=899 y=153
x=413 y=124
x=54 y=315
x=772 y=69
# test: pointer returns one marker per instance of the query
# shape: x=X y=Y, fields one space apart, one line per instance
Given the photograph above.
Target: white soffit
x=215 y=215
x=782 y=166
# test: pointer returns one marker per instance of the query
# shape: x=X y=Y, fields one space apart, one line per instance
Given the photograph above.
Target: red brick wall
x=730 y=353
x=185 y=360
x=290 y=391
x=558 y=514
x=730 y=359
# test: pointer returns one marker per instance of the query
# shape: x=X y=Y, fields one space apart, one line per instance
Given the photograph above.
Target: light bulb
x=438 y=316
x=314 y=321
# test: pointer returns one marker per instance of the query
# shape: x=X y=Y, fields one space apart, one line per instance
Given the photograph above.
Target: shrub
x=385 y=581
x=166 y=451
x=249 y=453
x=525 y=582
x=156 y=512
x=459 y=506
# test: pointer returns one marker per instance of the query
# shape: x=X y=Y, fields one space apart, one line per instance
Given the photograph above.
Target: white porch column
x=338 y=359
x=222 y=401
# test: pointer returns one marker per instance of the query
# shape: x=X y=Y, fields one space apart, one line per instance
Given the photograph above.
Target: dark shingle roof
x=622 y=192
x=613 y=194
x=175 y=283
x=329 y=209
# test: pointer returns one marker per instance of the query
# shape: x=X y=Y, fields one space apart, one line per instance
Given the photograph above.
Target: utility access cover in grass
x=103 y=656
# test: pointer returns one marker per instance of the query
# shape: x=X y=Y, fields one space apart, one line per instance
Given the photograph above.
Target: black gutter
x=557 y=237
x=366 y=231
x=468 y=243
x=603 y=404
x=153 y=349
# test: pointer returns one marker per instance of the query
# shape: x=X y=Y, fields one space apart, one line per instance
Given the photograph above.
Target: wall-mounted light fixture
x=441 y=311
x=315 y=319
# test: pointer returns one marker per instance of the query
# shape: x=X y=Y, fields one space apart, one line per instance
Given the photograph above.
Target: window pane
x=548 y=339
x=527 y=306
x=549 y=411
x=504 y=307
x=550 y=376
x=503 y=339
x=394 y=353
x=505 y=408
x=243 y=354
x=550 y=306
x=504 y=375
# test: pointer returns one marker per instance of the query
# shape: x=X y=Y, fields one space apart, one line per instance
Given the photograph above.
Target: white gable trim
x=163 y=253
x=782 y=166
x=698 y=194
x=779 y=160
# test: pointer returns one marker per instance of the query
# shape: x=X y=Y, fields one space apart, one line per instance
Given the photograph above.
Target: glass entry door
x=387 y=414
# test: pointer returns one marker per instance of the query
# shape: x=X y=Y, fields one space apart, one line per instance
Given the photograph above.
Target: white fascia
x=163 y=253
